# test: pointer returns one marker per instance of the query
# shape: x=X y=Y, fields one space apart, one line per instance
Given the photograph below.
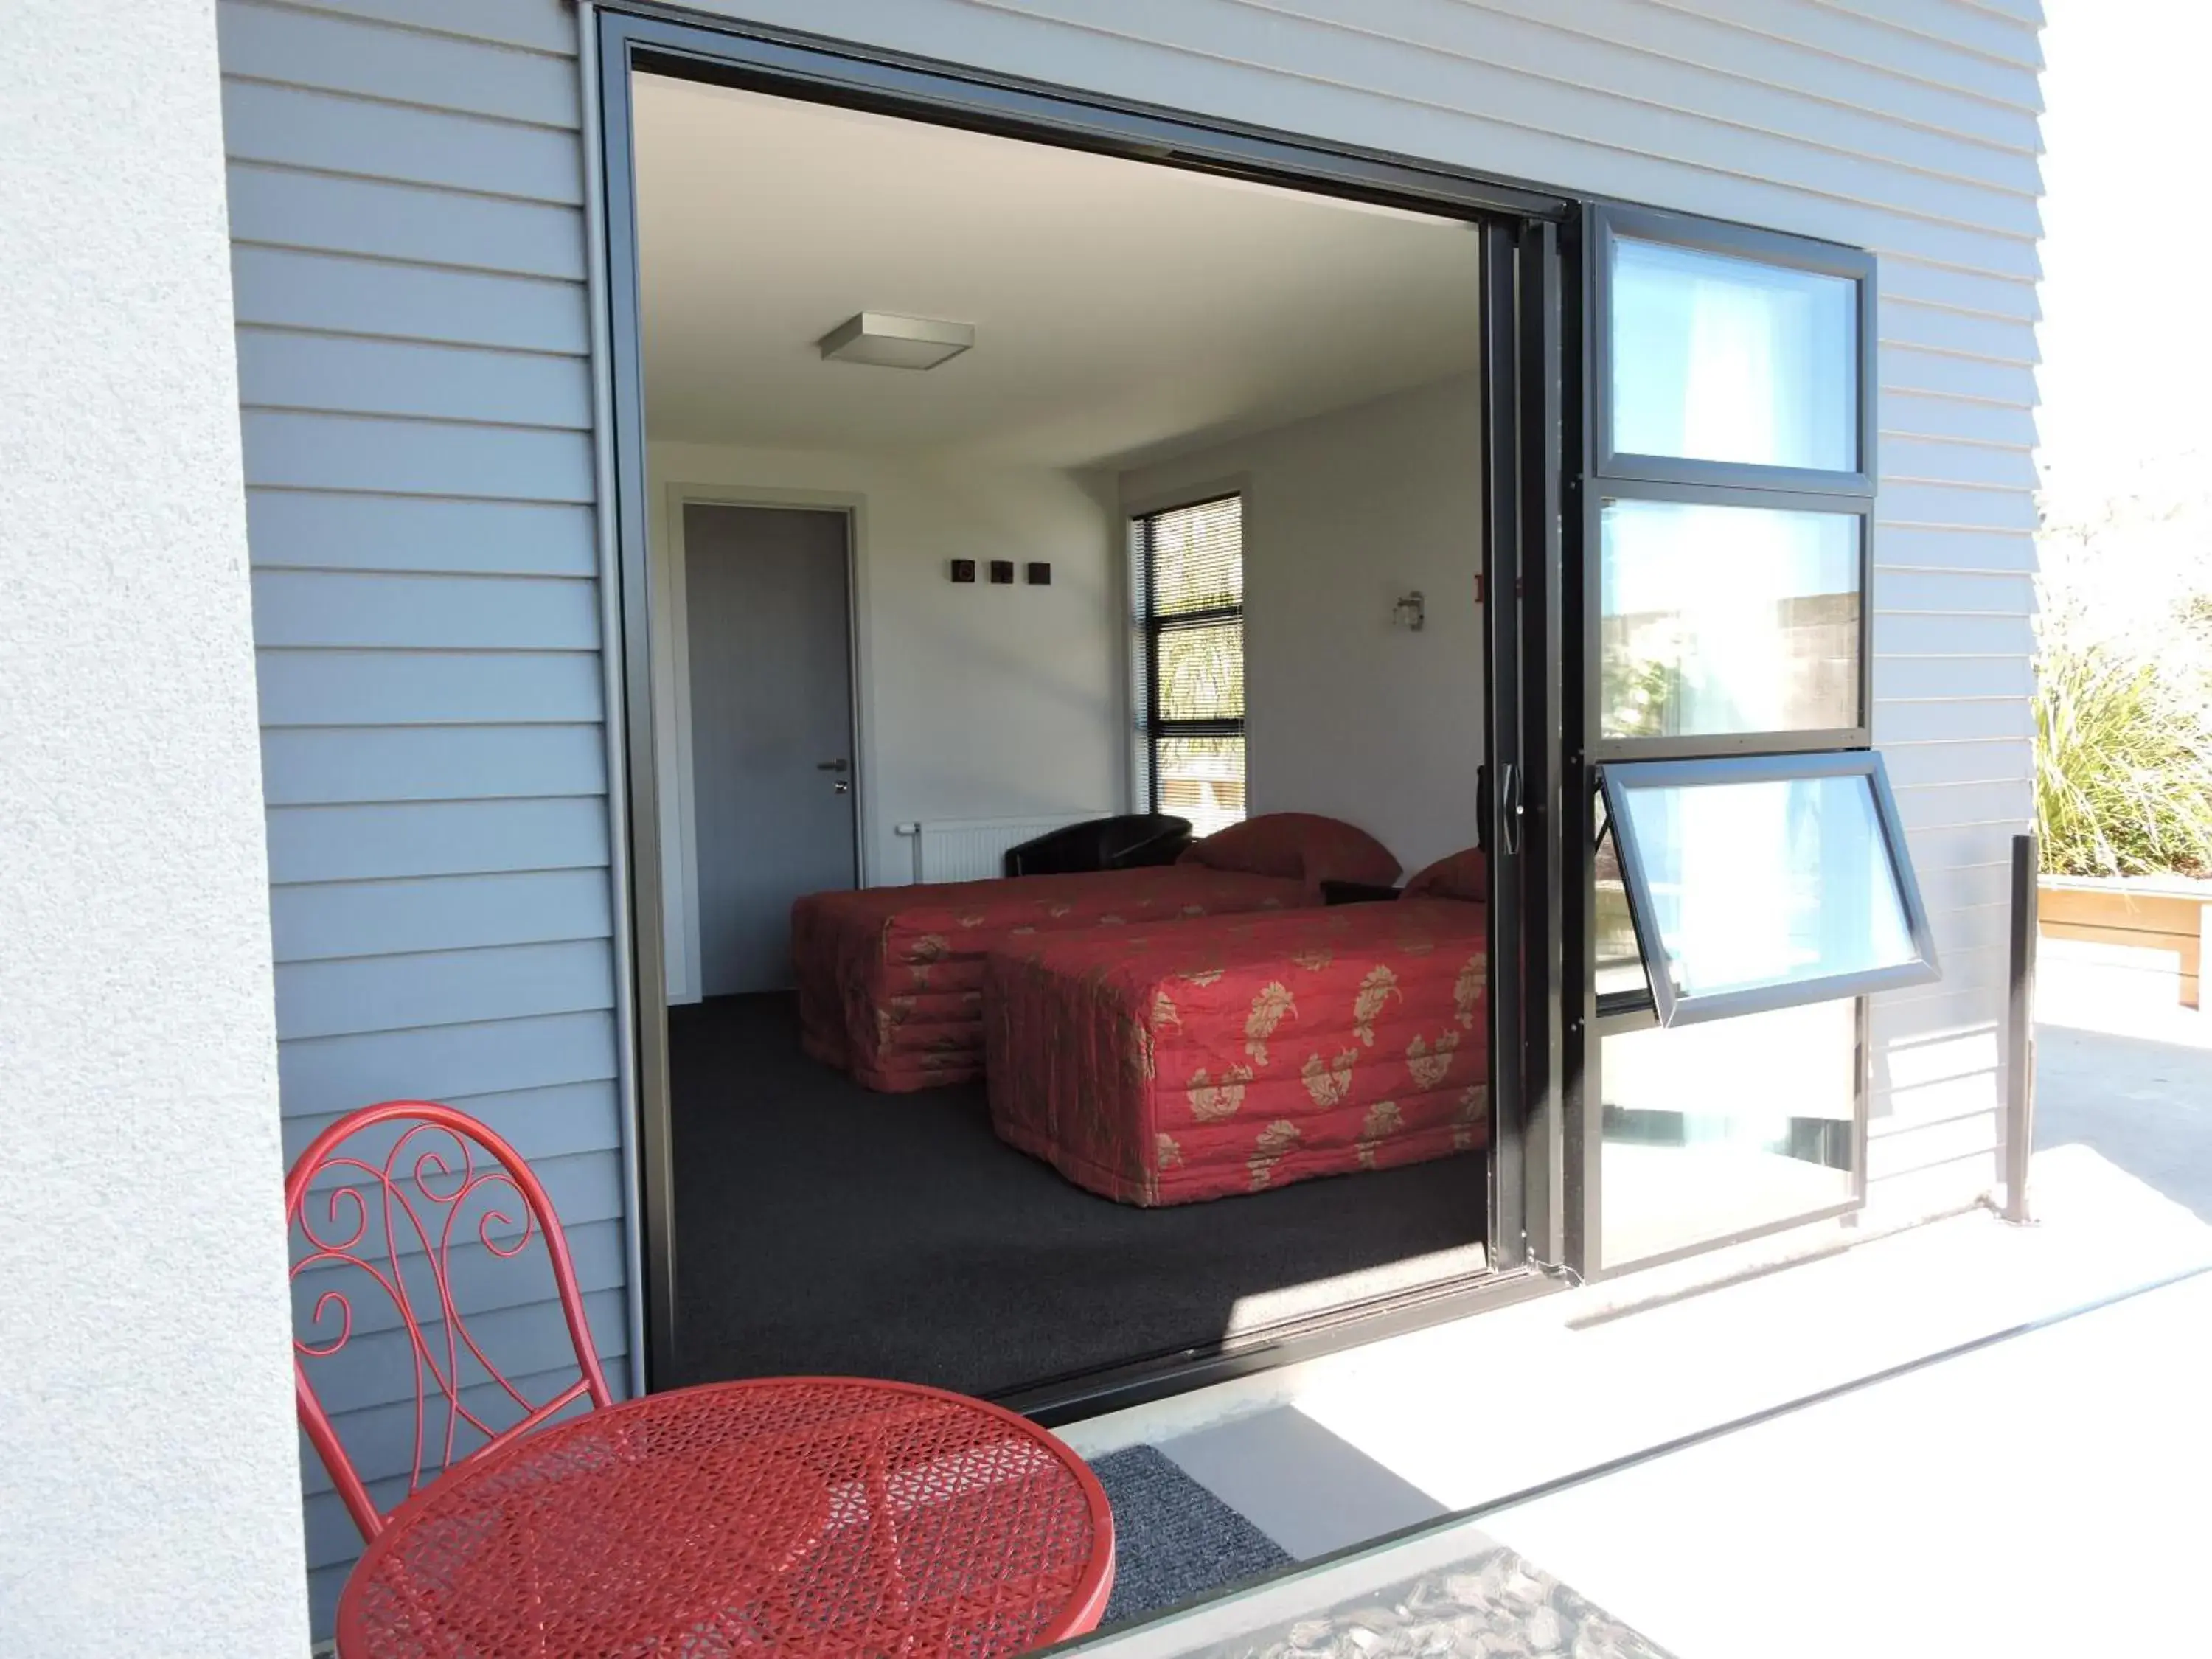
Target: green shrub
x=2123 y=762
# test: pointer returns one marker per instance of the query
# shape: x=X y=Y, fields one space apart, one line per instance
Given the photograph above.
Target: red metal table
x=806 y=1515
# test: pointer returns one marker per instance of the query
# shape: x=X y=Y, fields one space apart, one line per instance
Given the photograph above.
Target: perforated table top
x=810 y=1515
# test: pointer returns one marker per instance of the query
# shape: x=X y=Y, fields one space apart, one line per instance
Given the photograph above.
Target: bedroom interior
x=1180 y=525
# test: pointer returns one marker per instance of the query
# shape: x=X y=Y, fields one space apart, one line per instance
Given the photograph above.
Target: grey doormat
x=1174 y=1540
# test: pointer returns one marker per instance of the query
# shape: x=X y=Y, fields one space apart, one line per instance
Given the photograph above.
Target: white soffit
x=1121 y=310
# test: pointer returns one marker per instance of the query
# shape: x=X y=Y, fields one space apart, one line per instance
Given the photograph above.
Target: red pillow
x=1302 y=845
x=1463 y=875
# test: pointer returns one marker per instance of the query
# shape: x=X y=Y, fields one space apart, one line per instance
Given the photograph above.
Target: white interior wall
x=1348 y=714
x=149 y=1473
x=975 y=701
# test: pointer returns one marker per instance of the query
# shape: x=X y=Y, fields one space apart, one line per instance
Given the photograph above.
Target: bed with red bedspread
x=1241 y=1052
x=890 y=979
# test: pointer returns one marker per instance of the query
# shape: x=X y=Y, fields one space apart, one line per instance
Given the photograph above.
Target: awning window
x=1766 y=882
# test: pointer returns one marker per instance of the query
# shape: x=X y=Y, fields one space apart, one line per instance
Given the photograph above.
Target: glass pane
x=1620 y=965
x=1721 y=359
x=1201 y=779
x=1197 y=556
x=1710 y=1130
x=1202 y=672
x=1773 y=882
x=1724 y=619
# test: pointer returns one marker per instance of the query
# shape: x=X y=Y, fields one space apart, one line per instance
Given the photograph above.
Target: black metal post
x=2019 y=1030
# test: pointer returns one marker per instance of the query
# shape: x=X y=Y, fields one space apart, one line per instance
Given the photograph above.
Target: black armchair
x=1121 y=843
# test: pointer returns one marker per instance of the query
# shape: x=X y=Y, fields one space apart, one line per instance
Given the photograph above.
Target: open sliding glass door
x=1523 y=346
x=1740 y=881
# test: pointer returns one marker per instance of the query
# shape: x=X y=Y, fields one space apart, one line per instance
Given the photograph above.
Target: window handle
x=1509 y=791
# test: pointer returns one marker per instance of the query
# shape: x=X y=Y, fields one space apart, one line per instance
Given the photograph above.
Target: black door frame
x=1524 y=326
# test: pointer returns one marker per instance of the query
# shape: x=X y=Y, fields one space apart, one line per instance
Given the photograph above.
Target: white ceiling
x=1122 y=311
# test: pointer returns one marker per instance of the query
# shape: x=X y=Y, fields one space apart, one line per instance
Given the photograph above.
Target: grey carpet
x=1174 y=1540
x=821 y=1228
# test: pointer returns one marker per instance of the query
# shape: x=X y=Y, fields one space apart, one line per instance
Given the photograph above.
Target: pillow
x=1301 y=846
x=1463 y=875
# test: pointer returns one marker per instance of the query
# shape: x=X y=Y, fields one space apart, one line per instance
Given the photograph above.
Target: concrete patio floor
x=2122 y=1068
x=2039 y=1494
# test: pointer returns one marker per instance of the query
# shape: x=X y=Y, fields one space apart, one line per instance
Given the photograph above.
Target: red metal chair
x=397 y=1213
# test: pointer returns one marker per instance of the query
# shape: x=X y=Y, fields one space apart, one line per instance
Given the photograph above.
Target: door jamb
x=823 y=70
x=675 y=497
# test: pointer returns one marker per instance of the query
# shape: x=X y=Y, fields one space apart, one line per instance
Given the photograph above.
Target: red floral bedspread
x=890 y=979
x=1241 y=1052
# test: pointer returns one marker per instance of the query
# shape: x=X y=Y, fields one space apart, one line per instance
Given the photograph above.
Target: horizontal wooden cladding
x=1943 y=505
x=541 y=25
x=2008 y=801
x=355 y=994
x=439 y=1062
x=1477 y=70
x=1933 y=328
x=349 y=765
x=1964 y=846
x=1969 y=887
x=1914 y=415
x=332 y=133
x=429 y=688
x=332 y=52
x=2002 y=29
x=1908 y=460
x=322 y=530
x=1902 y=590
x=375 y=1370
x=285 y=368
x=439 y=912
x=1762 y=85
x=435 y=838
x=1914 y=118
x=1953 y=719
x=1900 y=680
x=482 y=1281
x=336 y=765
x=559 y=1121
x=285 y=207
x=338 y=293
x=380 y=1439
x=1933 y=51
x=1949 y=547
x=576 y=1183
x=293 y=451
x=359 y=608
x=1918 y=634
x=1946 y=374
x=1946 y=288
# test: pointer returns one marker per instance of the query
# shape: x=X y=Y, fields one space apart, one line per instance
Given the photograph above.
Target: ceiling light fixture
x=889 y=342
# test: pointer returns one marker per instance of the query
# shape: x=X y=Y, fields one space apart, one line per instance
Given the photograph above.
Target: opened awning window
x=1767 y=882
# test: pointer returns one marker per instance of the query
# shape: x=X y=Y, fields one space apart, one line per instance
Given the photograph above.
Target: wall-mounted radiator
x=974 y=849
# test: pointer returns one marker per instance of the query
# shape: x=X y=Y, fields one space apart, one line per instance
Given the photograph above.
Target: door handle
x=1509 y=789
x=833 y=766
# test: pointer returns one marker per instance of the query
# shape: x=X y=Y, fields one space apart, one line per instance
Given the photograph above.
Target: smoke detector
x=890 y=341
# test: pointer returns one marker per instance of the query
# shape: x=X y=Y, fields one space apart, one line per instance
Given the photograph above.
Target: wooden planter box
x=2154 y=922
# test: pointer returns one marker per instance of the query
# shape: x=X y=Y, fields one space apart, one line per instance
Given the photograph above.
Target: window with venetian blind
x=1188 y=578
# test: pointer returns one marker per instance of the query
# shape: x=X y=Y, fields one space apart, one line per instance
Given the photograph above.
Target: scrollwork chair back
x=386 y=1204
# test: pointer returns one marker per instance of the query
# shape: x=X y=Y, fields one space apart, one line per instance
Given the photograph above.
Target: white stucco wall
x=148 y=1463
